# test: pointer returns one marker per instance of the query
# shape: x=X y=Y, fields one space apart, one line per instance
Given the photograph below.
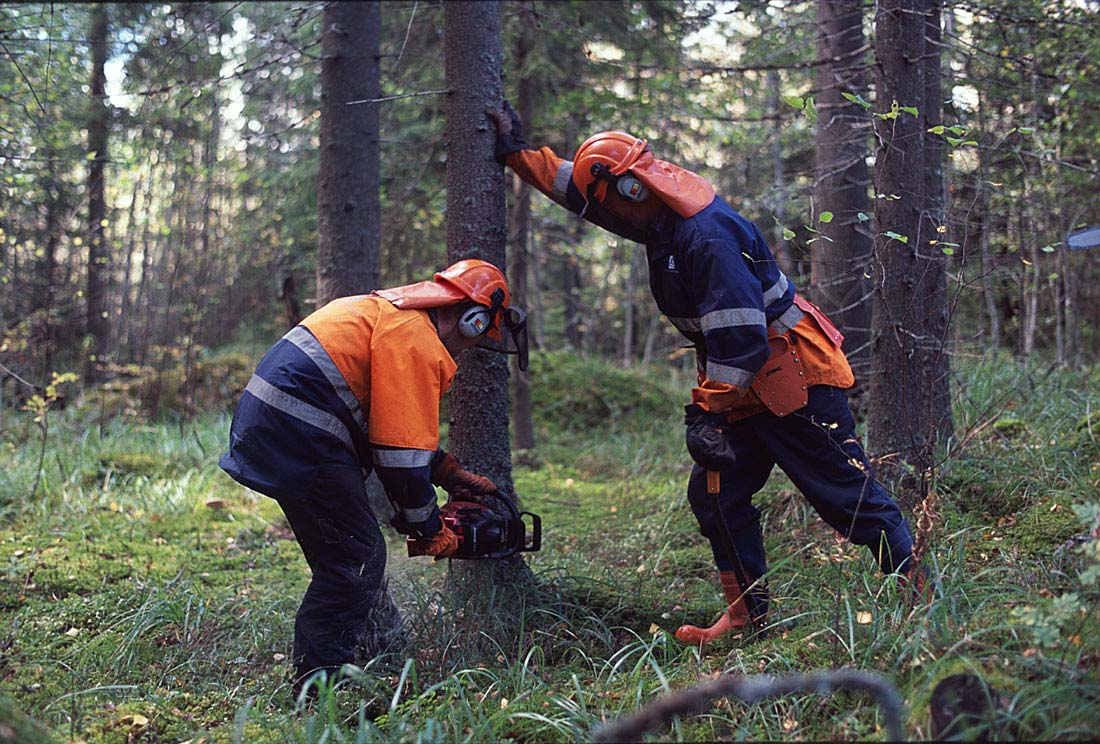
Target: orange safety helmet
x=605 y=157
x=476 y=280
x=470 y=280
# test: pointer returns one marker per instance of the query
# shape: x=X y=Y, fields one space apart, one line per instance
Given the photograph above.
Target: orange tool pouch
x=780 y=384
x=831 y=331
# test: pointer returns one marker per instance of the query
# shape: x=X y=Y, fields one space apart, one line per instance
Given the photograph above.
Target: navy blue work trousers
x=817 y=448
x=347 y=614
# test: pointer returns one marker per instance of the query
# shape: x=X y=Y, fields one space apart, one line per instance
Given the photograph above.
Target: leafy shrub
x=576 y=393
x=214 y=382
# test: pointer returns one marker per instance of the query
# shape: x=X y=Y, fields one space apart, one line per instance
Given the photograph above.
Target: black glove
x=420 y=530
x=706 y=439
x=509 y=132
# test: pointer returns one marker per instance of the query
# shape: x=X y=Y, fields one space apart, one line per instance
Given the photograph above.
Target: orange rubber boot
x=734 y=618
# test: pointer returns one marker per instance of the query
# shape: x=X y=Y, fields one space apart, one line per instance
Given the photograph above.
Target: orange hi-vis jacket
x=717 y=281
x=396 y=367
x=355 y=387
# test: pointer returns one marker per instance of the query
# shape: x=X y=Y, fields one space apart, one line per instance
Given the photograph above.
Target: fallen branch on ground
x=753 y=690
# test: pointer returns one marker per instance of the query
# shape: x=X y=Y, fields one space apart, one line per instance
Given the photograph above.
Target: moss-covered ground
x=146 y=597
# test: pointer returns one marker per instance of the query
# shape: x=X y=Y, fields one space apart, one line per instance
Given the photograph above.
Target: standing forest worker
x=771 y=372
x=357 y=386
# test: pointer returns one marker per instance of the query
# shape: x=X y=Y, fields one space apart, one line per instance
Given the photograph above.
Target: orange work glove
x=449 y=475
x=442 y=544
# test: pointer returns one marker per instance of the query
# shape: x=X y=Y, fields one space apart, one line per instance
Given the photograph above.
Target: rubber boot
x=736 y=616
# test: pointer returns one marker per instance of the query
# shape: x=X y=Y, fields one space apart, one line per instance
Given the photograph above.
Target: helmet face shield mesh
x=514 y=340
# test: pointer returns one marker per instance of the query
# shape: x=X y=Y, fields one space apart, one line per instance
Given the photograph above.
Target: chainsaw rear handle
x=536 y=533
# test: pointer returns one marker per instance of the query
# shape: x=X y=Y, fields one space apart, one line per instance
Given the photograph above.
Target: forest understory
x=147 y=597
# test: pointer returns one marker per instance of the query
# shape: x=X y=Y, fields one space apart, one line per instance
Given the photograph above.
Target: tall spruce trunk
x=349 y=208
x=933 y=228
x=909 y=328
x=98 y=322
x=349 y=215
x=476 y=228
x=520 y=239
x=839 y=266
x=125 y=283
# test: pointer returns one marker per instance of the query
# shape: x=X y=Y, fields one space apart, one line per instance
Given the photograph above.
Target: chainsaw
x=483 y=533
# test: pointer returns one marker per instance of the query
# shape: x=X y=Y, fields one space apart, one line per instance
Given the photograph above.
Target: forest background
x=162 y=221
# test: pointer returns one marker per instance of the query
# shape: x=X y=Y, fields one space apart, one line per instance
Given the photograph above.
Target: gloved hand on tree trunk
x=449 y=475
x=706 y=438
x=509 y=132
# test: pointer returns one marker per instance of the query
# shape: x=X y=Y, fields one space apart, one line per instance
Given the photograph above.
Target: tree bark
x=98 y=323
x=909 y=330
x=937 y=360
x=520 y=238
x=985 y=221
x=135 y=346
x=476 y=228
x=535 y=308
x=840 y=264
x=348 y=207
x=125 y=283
x=288 y=294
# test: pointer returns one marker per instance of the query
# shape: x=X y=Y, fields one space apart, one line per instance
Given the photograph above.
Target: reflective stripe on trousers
x=299 y=409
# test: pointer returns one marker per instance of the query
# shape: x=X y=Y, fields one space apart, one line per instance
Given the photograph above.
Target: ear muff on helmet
x=625 y=156
x=474 y=322
x=631 y=189
x=477 y=320
x=626 y=185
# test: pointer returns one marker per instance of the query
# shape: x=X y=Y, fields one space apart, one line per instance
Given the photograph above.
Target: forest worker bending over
x=355 y=387
x=770 y=369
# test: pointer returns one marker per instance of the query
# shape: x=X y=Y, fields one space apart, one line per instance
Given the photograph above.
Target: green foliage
x=1040 y=525
x=991 y=486
x=1048 y=623
x=584 y=393
x=1009 y=427
x=39 y=404
x=213 y=382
